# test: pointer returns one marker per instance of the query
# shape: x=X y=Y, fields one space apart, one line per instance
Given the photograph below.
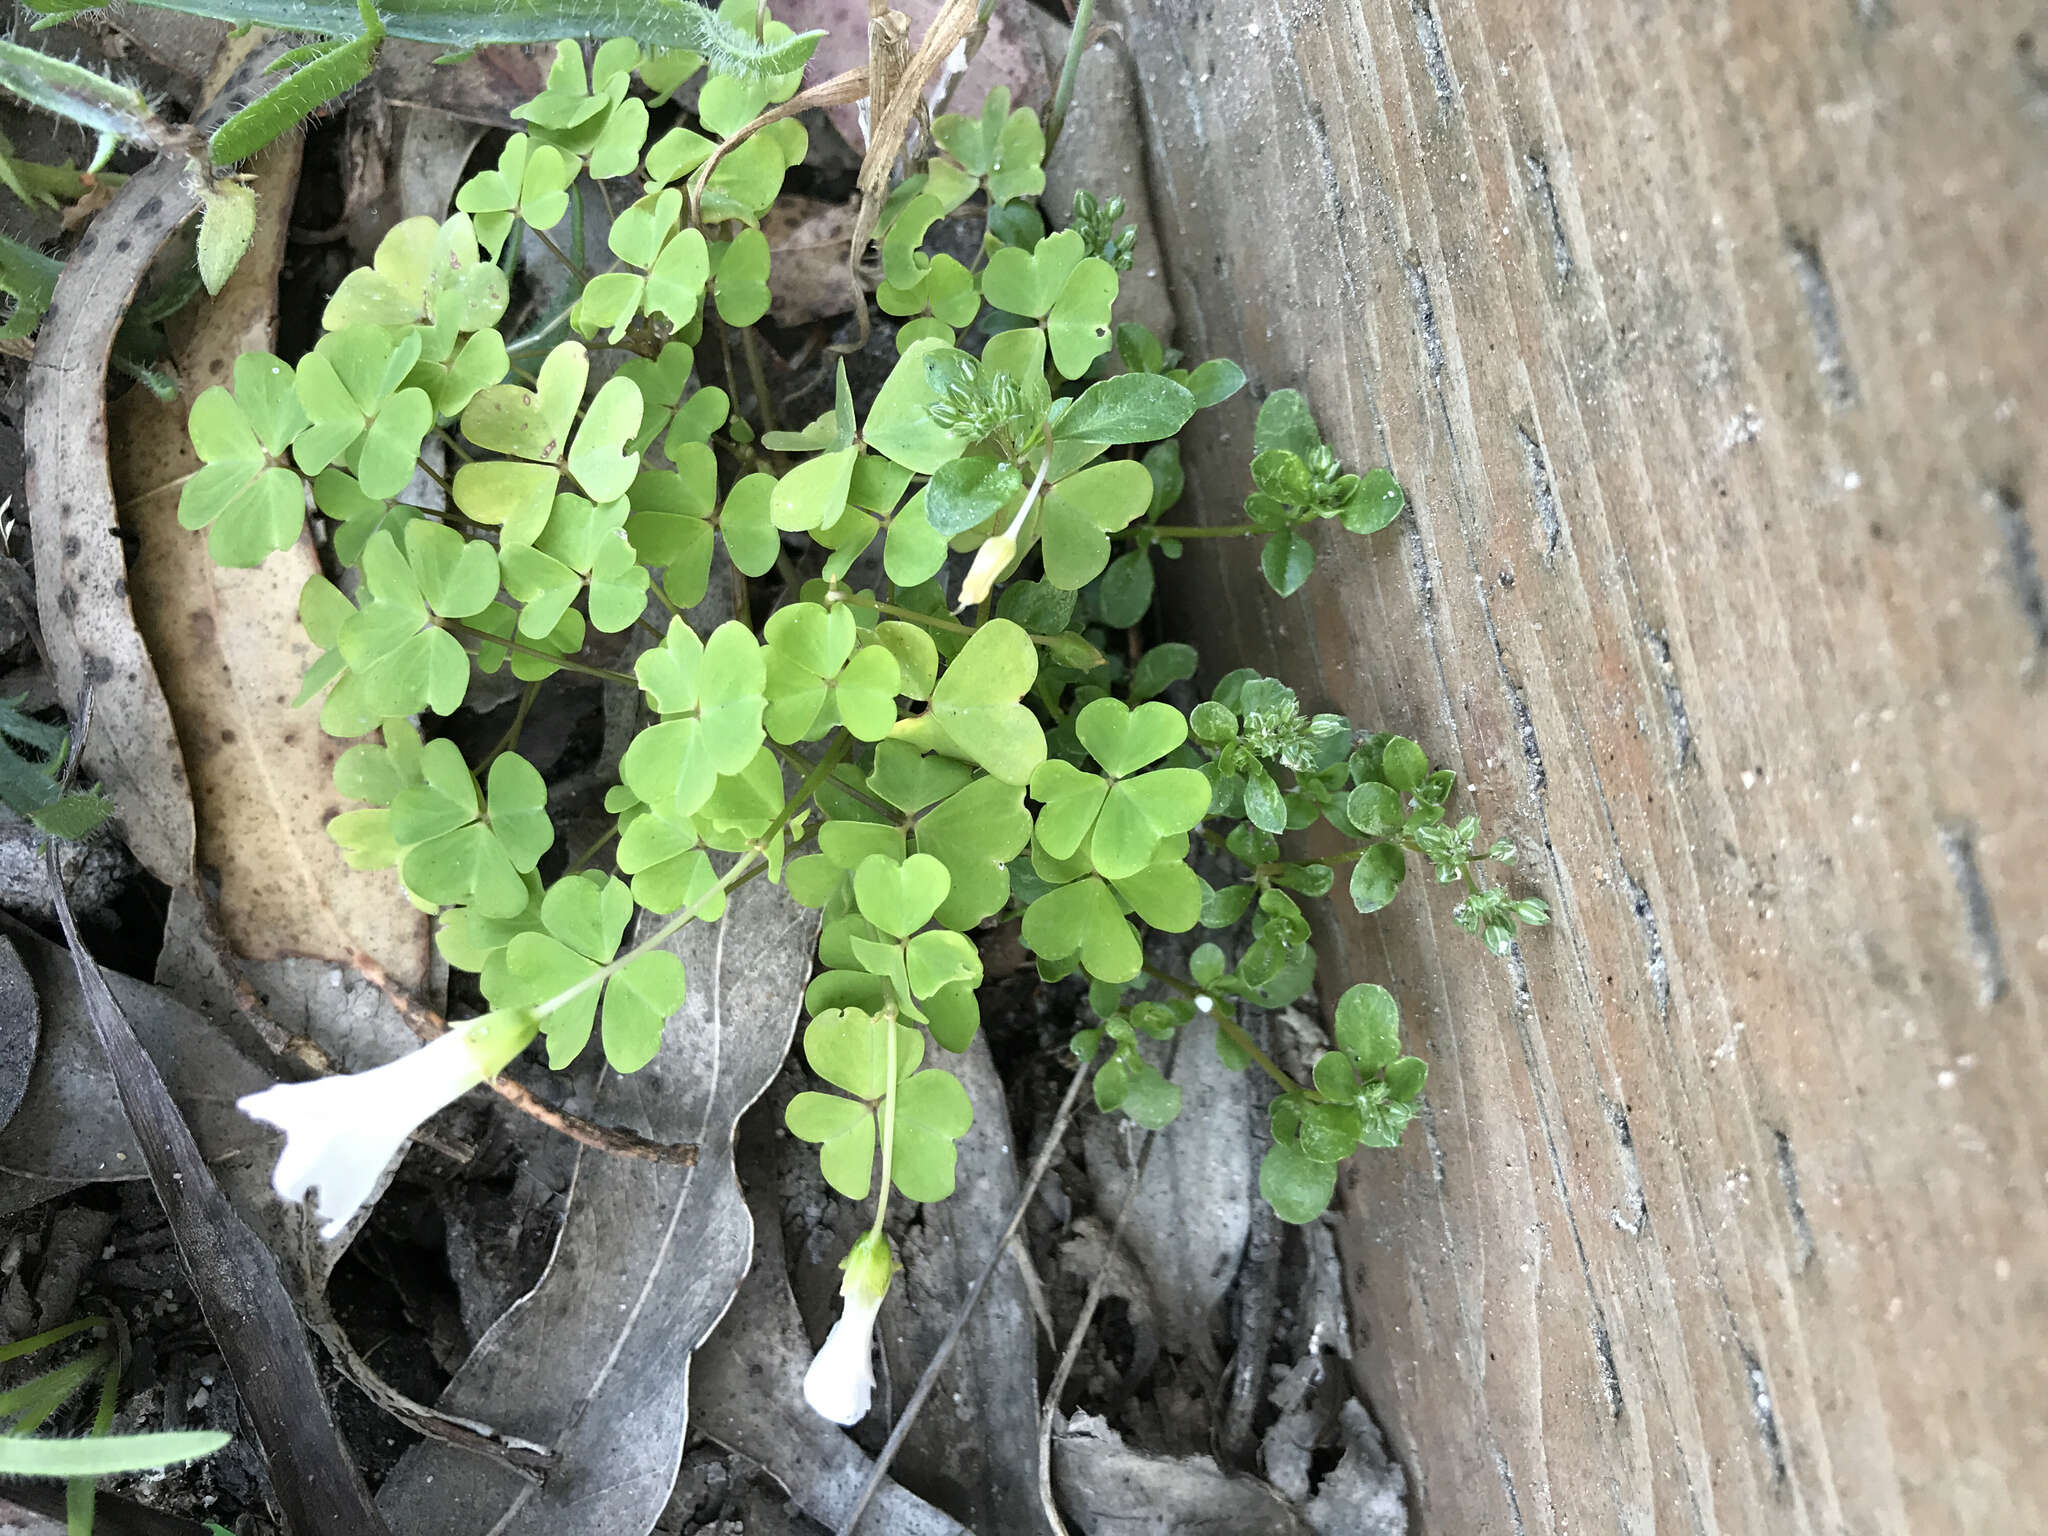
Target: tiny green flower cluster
x=1007 y=756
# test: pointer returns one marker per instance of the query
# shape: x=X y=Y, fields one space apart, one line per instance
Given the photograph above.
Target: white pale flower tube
x=999 y=549
x=841 y=1381
x=341 y=1133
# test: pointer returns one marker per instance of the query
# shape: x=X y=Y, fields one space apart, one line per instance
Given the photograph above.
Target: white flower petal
x=341 y=1133
x=841 y=1382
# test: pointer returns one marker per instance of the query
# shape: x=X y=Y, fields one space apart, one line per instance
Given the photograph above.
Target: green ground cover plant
x=918 y=706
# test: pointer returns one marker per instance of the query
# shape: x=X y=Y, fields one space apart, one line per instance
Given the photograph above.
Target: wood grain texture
x=1707 y=342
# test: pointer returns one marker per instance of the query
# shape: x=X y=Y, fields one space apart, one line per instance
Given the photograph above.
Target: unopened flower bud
x=989 y=560
x=841 y=1381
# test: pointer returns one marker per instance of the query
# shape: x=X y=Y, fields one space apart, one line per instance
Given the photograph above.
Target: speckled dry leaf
x=81 y=572
x=230 y=651
x=807 y=251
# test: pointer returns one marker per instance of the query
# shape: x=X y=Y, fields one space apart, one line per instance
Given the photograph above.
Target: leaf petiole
x=888 y=1120
x=1192 y=531
x=567 y=664
x=1236 y=1031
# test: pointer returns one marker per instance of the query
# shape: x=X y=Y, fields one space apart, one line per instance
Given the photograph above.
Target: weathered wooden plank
x=1708 y=344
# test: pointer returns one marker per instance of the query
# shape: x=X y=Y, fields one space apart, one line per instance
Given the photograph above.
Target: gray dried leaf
x=595 y=1361
x=1367 y=1493
x=319 y=1490
x=746 y=1393
x=1106 y=1488
x=20 y=1027
x=1187 y=1228
x=972 y=1448
x=70 y=1127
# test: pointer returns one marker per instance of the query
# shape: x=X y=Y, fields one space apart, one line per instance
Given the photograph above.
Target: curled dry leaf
x=82 y=573
x=20 y=1030
x=229 y=650
x=1110 y=1489
x=82 y=576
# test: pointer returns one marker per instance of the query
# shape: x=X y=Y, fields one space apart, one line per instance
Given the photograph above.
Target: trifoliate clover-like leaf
x=975 y=832
x=899 y=897
x=531 y=183
x=1080 y=513
x=975 y=708
x=711 y=697
x=1084 y=918
x=463 y=851
x=849 y=1048
x=424 y=273
x=244 y=492
x=352 y=389
x=816 y=679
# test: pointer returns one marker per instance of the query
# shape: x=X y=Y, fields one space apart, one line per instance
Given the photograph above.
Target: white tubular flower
x=999 y=549
x=841 y=1381
x=341 y=1133
x=996 y=552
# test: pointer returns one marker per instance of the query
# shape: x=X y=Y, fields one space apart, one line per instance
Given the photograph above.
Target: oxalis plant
x=924 y=714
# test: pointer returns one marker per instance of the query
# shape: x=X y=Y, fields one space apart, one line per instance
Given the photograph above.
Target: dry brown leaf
x=807 y=247
x=230 y=651
x=1009 y=55
x=482 y=88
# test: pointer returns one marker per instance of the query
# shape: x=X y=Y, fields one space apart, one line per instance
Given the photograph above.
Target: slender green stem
x=888 y=1122
x=547 y=328
x=1063 y=96
x=575 y=267
x=750 y=348
x=511 y=737
x=912 y=615
x=439 y=479
x=732 y=385
x=566 y=663
x=743 y=869
x=582 y=860
x=803 y=764
x=453 y=446
x=1232 y=1028
x=1191 y=531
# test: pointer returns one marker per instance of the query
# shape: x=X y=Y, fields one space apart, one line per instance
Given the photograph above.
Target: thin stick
x=427 y=1024
x=1073 y=1349
x=930 y=1378
x=525 y=1458
x=835 y=92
